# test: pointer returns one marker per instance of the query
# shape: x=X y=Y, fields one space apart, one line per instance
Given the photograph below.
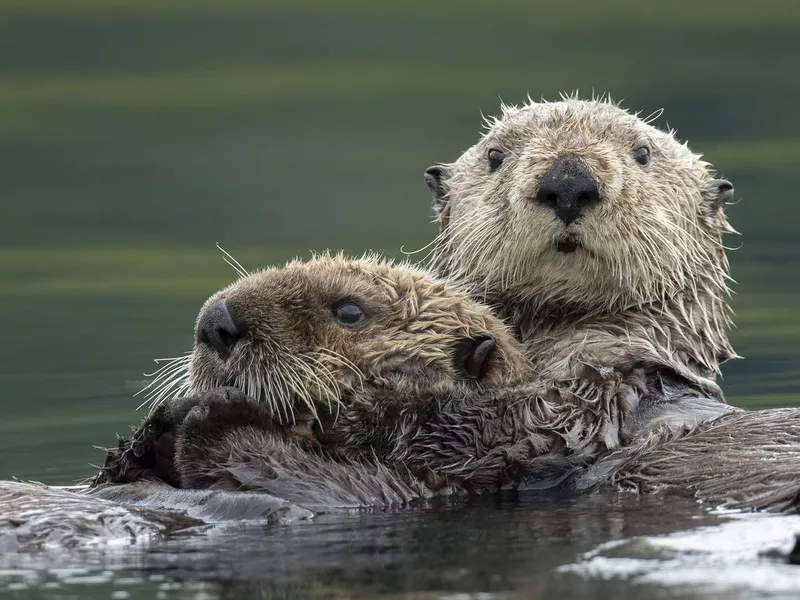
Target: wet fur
x=746 y=460
x=647 y=285
x=391 y=443
x=401 y=396
x=395 y=439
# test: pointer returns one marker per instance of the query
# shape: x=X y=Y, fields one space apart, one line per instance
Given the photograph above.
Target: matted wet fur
x=426 y=385
x=746 y=460
x=597 y=236
x=394 y=439
x=36 y=517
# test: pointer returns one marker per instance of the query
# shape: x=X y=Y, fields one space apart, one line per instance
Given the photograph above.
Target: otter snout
x=568 y=189
x=217 y=329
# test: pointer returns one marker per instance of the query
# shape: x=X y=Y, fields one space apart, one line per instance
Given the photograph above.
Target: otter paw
x=222 y=409
x=150 y=451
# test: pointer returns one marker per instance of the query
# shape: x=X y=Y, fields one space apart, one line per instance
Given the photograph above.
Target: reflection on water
x=503 y=547
x=744 y=556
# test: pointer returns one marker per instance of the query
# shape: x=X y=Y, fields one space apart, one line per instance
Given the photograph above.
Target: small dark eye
x=348 y=314
x=642 y=155
x=495 y=159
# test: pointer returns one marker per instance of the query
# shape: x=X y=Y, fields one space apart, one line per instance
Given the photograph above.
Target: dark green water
x=135 y=136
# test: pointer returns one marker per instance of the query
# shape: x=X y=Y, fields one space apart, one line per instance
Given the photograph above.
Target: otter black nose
x=568 y=189
x=217 y=329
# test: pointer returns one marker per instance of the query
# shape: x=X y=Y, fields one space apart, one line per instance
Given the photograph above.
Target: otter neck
x=687 y=331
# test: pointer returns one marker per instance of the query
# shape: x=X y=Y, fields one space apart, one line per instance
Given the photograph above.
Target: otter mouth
x=567 y=245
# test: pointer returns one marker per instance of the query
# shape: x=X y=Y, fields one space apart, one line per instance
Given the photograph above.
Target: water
x=135 y=136
x=512 y=547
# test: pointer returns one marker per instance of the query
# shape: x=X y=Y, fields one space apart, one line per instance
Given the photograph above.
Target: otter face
x=578 y=202
x=310 y=333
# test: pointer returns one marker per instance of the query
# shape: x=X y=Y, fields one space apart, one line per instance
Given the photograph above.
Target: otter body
x=745 y=460
x=357 y=384
x=466 y=414
x=363 y=371
x=598 y=238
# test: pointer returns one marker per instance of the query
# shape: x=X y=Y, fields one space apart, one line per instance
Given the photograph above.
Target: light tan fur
x=647 y=282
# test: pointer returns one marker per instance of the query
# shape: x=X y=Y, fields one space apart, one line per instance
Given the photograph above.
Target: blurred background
x=134 y=136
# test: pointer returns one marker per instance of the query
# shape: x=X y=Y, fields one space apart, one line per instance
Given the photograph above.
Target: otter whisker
x=170 y=362
x=653 y=116
x=167 y=379
x=156 y=395
x=323 y=390
x=155 y=387
x=235 y=264
x=343 y=361
x=431 y=244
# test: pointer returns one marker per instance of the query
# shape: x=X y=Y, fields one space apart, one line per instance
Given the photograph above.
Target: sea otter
x=371 y=365
x=598 y=238
x=372 y=385
x=431 y=396
x=368 y=384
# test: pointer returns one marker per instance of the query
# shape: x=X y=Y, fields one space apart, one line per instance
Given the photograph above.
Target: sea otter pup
x=426 y=393
x=367 y=384
x=386 y=378
x=598 y=238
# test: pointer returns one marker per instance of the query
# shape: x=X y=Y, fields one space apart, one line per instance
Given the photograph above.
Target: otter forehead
x=390 y=293
x=575 y=123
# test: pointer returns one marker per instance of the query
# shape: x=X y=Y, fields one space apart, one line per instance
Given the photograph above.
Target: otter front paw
x=150 y=451
x=205 y=438
x=221 y=409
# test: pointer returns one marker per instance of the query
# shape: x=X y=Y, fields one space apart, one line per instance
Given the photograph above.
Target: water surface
x=510 y=547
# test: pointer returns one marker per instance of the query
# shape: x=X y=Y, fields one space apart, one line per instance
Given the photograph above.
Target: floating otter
x=367 y=384
x=464 y=414
x=377 y=372
x=598 y=238
x=372 y=385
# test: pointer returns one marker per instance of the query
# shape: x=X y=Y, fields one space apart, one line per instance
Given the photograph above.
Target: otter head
x=310 y=333
x=579 y=205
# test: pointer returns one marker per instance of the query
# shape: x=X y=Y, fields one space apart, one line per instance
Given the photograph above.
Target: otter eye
x=495 y=158
x=642 y=155
x=348 y=314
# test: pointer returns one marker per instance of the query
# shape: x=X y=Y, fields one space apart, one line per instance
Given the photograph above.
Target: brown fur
x=647 y=283
x=389 y=392
x=400 y=436
x=293 y=348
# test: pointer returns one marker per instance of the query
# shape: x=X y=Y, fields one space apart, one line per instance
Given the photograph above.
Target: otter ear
x=472 y=354
x=716 y=194
x=436 y=178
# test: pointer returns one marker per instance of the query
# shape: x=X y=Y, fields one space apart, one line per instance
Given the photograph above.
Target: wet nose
x=217 y=329
x=568 y=189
